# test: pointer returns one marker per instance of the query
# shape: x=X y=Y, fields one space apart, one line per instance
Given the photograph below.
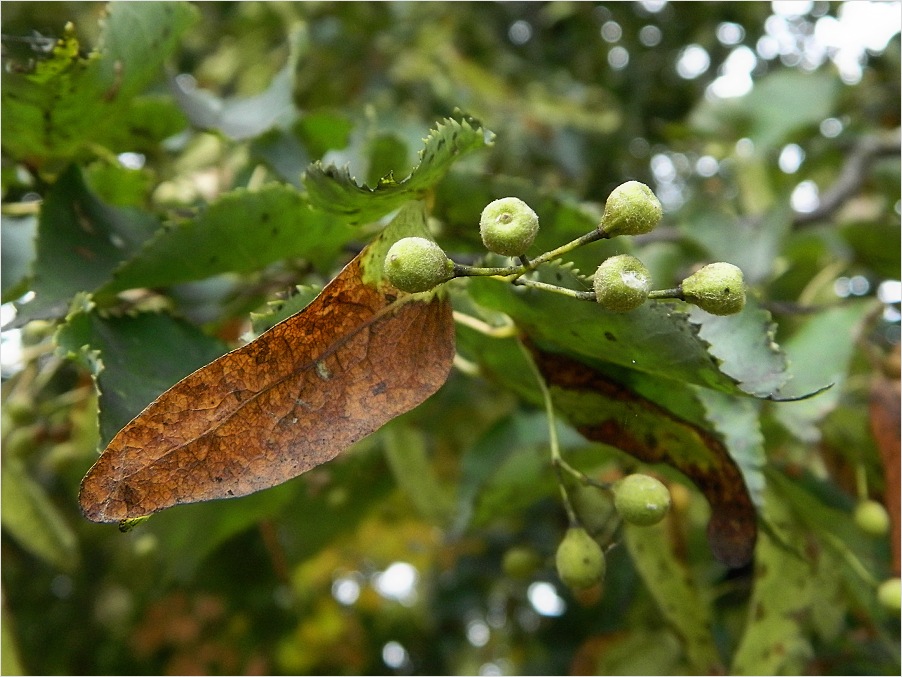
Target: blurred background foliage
x=770 y=131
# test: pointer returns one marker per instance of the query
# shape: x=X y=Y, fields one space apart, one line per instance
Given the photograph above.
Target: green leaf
x=68 y=103
x=18 y=251
x=737 y=421
x=408 y=458
x=781 y=103
x=80 y=242
x=133 y=359
x=245 y=117
x=29 y=516
x=774 y=641
x=820 y=352
x=744 y=347
x=242 y=231
x=670 y=583
x=336 y=191
x=658 y=338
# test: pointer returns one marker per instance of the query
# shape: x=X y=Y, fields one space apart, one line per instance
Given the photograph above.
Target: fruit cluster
x=639 y=500
x=508 y=226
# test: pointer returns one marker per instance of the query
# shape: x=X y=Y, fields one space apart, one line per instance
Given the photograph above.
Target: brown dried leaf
x=606 y=411
x=360 y=354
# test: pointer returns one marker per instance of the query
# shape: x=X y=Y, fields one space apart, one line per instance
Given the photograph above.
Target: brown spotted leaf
x=606 y=411
x=360 y=354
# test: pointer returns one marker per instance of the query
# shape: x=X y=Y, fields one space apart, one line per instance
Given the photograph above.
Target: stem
x=506 y=330
x=581 y=295
x=588 y=238
x=673 y=293
x=526 y=265
x=557 y=461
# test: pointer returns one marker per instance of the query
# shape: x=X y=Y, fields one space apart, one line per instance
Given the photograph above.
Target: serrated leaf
x=745 y=349
x=69 y=102
x=80 y=242
x=657 y=338
x=32 y=519
x=670 y=583
x=737 y=421
x=133 y=358
x=242 y=231
x=334 y=190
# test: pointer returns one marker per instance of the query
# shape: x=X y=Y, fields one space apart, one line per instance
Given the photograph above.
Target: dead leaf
x=360 y=354
x=609 y=412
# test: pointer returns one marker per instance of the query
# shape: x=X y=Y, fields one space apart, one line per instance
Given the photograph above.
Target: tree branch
x=851 y=176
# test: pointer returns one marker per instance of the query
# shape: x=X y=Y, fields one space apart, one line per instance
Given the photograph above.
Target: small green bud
x=889 y=594
x=631 y=209
x=621 y=283
x=579 y=559
x=508 y=226
x=717 y=288
x=872 y=518
x=641 y=499
x=415 y=264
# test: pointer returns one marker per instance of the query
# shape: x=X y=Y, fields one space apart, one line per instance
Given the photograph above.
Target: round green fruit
x=592 y=506
x=579 y=559
x=717 y=288
x=415 y=264
x=889 y=594
x=872 y=518
x=631 y=209
x=641 y=499
x=520 y=562
x=508 y=226
x=621 y=283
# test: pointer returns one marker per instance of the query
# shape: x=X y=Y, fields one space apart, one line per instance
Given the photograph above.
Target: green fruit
x=415 y=264
x=641 y=499
x=579 y=559
x=889 y=594
x=621 y=283
x=592 y=506
x=872 y=518
x=631 y=209
x=718 y=288
x=508 y=226
x=520 y=562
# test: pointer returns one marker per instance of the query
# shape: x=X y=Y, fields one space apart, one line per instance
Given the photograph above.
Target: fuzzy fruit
x=621 y=283
x=508 y=226
x=579 y=559
x=872 y=518
x=631 y=209
x=415 y=264
x=717 y=288
x=641 y=499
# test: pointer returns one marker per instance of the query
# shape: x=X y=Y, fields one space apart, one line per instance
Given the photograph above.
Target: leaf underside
x=294 y=398
x=605 y=411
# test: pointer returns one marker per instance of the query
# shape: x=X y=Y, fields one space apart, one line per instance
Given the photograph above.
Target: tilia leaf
x=606 y=411
x=357 y=356
x=335 y=191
